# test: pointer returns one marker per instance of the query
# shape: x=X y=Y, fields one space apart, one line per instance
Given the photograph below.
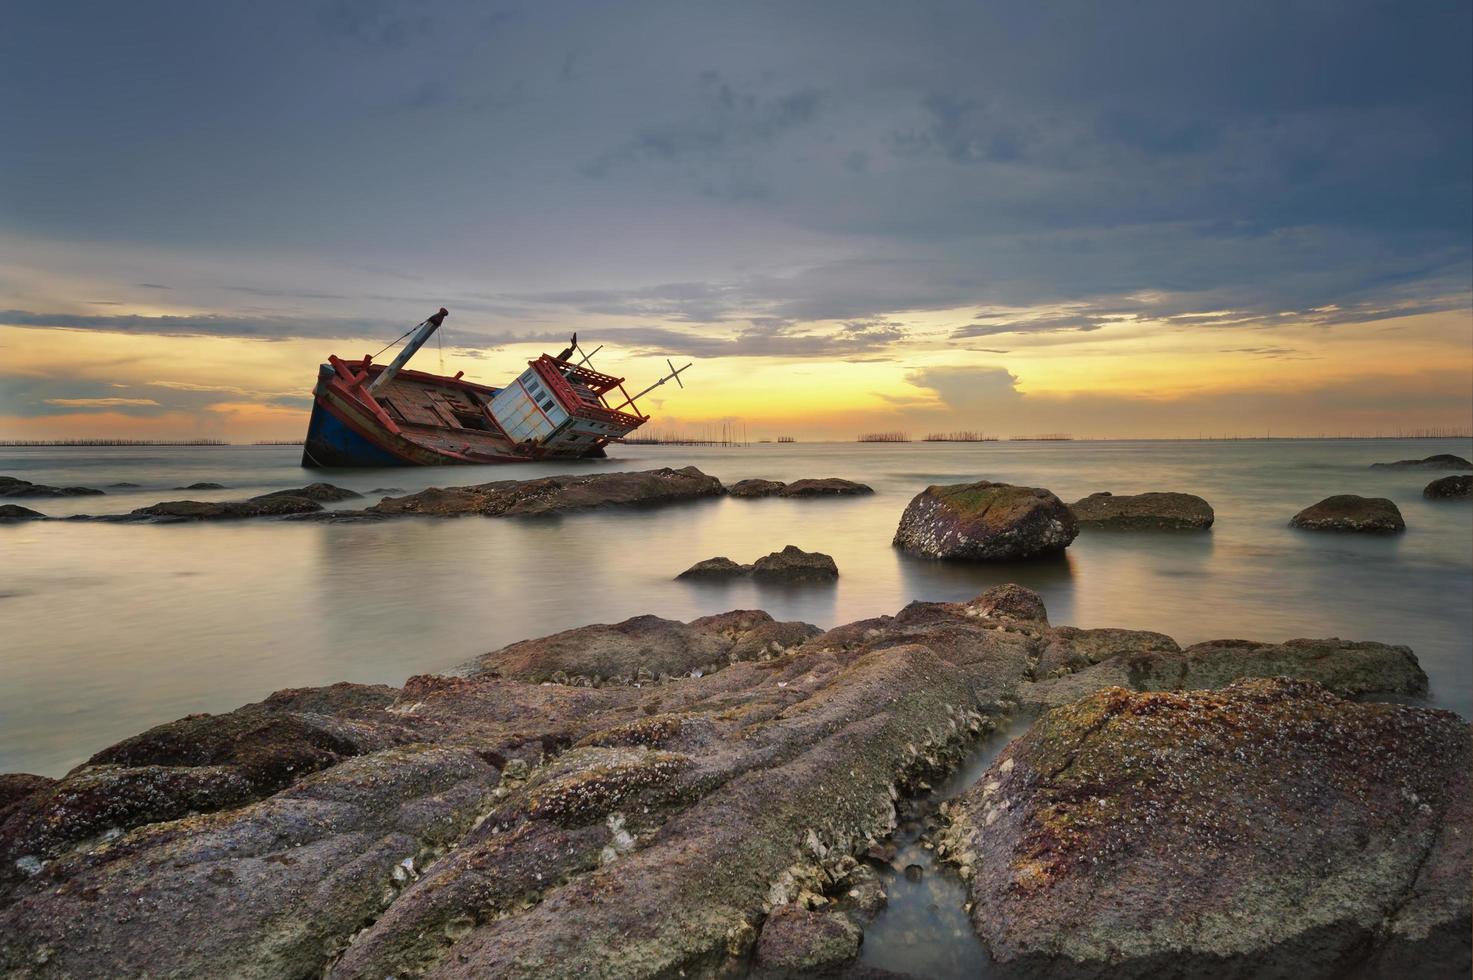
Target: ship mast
x=422 y=333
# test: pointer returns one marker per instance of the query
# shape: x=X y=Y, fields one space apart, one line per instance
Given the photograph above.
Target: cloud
x=102 y=402
x=968 y=389
x=1048 y=324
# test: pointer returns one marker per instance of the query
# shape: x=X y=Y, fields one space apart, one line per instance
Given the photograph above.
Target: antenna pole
x=674 y=373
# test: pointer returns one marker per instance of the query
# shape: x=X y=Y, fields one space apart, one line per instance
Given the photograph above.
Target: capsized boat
x=367 y=414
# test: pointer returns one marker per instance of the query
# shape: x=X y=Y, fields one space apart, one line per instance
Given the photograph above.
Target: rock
x=1073 y=648
x=643 y=648
x=1347 y=668
x=715 y=568
x=1449 y=488
x=1441 y=461
x=12 y=487
x=123 y=486
x=520 y=822
x=556 y=494
x=1144 y=511
x=1267 y=829
x=789 y=566
x=1348 y=512
x=793 y=564
x=323 y=493
x=755 y=488
x=15 y=512
x=797 y=942
x=199 y=510
x=985 y=522
x=827 y=487
x=203 y=486
x=862 y=892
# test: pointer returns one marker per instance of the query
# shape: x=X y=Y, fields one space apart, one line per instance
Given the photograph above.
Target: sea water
x=107 y=629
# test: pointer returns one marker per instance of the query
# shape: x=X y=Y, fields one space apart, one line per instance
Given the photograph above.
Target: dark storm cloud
x=715 y=163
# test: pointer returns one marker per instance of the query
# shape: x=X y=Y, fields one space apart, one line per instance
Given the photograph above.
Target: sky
x=1143 y=219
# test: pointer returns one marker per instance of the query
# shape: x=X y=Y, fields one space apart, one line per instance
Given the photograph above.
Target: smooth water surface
x=107 y=629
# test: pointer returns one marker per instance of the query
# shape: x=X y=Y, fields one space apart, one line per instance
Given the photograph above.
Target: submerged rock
x=323 y=493
x=1144 y=511
x=12 y=487
x=1441 y=461
x=985 y=521
x=1449 y=488
x=15 y=512
x=1348 y=512
x=201 y=510
x=826 y=487
x=755 y=488
x=791 y=565
x=1267 y=829
x=556 y=494
x=204 y=486
x=719 y=567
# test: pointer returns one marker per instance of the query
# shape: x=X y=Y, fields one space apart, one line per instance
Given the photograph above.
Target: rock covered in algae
x=1266 y=829
x=1144 y=511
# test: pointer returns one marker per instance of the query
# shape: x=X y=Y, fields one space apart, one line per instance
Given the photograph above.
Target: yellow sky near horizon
x=1146 y=378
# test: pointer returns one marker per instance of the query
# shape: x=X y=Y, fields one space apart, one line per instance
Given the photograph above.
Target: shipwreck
x=560 y=407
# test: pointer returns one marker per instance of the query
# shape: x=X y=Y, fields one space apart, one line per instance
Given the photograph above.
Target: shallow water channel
x=923 y=929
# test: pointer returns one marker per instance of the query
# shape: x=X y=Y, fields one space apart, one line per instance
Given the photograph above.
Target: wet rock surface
x=204 y=486
x=323 y=493
x=14 y=487
x=15 y=512
x=792 y=565
x=555 y=494
x=1348 y=512
x=985 y=521
x=1441 y=461
x=559 y=810
x=1449 y=488
x=1266 y=829
x=1144 y=511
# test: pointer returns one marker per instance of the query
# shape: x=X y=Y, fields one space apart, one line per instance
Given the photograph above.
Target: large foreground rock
x=504 y=824
x=1348 y=512
x=1449 y=488
x=1441 y=461
x=13 y=487
x=1267 y=829
x=985 y=521
x=555 y=494
x=1144 y=511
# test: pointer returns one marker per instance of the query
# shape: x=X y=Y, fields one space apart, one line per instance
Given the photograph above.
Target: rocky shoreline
x=654 y=798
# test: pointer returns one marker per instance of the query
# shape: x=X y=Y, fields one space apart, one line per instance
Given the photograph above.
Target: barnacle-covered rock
x=1269 y=828
x=1153 y=511
x=1349 y=512
x=985 y=522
